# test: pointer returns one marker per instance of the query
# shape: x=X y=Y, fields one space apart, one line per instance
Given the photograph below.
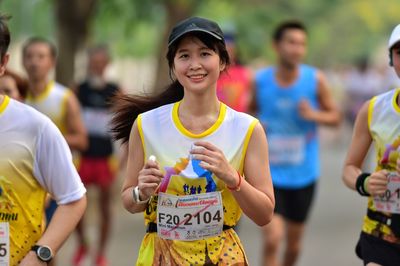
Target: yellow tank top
x=21 y=196
x=52 y=102
x=164 y=136
x=384 y=126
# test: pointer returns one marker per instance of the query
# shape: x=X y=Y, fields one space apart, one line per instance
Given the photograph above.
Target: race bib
x=191 y=217
x=390 y=201
x=4 y=244
x=96 y=121
x=286 y=149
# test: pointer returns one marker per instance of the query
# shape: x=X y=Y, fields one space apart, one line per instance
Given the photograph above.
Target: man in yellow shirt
x=34 y=160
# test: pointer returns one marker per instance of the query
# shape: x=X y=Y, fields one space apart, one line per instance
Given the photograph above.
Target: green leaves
x=340 y=30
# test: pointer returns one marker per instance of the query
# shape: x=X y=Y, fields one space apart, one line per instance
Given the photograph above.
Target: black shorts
x=373 y=249
x=294 y=204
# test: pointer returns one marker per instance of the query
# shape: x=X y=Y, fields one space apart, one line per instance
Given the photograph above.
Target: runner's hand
x=214 y=160
x=32 y=260
x=306 y=111
x=149 y=178
x=377 y=183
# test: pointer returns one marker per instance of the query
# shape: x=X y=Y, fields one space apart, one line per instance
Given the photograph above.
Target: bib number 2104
x=189 y=219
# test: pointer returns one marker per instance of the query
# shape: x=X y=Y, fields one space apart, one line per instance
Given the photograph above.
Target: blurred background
x=341 y=32
x=347 y=39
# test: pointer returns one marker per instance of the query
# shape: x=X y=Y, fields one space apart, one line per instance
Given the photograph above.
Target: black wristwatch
x=43 y=253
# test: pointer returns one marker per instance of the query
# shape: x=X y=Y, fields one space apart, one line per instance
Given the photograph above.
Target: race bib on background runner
x=4 y=244
x=96 y=121
x=191 y=217
x=390 y=201
x=286 y=149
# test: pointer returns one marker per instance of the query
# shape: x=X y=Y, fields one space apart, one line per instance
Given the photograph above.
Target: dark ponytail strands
x=126 y=108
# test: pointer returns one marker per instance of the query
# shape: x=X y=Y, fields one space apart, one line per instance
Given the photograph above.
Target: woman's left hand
x=214 y=160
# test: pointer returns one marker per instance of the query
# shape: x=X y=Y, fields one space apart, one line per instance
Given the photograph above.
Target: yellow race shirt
x=34 y=160
x=164 y=136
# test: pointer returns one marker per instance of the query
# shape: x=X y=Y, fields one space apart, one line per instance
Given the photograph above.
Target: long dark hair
x=126 y=108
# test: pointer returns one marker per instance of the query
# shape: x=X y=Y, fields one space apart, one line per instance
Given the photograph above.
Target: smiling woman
x=204 y=150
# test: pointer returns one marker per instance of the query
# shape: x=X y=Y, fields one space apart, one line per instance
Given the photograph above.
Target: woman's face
x=8 y=86
x=196 y=66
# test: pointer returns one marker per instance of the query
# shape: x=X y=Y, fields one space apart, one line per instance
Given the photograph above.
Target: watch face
x=44 y=253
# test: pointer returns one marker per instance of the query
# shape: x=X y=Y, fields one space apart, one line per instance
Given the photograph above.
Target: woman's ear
x=222 y=66
x=172 y=74
x=3 y=63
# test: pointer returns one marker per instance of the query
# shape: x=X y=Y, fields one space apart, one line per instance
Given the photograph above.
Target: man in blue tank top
x=291 y=99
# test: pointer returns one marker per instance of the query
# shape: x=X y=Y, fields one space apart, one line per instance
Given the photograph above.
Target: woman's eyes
x=205 y=54
x=202 y=54
x=183 y=56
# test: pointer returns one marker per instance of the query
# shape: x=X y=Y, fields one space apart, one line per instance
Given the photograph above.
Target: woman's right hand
x=149 y=178
x=377 y=183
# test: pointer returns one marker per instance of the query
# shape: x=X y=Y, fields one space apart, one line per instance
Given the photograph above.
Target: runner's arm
x=360 y=143
x=376 y=183
x=76 y=135
x=144 y=175
x=329 y=113
x=256 y=195
x=63 y=222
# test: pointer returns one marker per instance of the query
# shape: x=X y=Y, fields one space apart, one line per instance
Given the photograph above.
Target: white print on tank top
x=286 y=149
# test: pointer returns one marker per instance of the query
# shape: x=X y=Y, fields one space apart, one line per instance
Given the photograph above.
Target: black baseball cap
x=194 y=24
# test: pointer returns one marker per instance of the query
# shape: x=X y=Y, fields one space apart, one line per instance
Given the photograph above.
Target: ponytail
x=126 y=108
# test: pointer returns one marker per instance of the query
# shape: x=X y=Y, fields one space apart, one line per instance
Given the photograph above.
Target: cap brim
x=394 y=43
x=194 y=30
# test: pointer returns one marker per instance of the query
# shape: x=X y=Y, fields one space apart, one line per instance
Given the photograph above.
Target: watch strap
x=136 y=196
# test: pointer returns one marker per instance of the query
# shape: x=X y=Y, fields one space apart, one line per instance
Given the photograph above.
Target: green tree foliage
x=339 y=30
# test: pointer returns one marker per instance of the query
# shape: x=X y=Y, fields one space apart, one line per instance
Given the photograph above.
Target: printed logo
x=190 y=26
x=6 y=203
x=167 y=202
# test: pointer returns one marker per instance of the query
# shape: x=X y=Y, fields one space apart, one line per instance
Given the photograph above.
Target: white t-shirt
x=26 y=133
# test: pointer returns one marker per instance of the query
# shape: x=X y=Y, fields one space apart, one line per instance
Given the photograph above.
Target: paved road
x=330 y=237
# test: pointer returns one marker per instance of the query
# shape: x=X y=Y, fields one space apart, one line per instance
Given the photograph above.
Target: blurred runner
x=362 y=83
x=97 y=164
x=234 y=84
x=291 y=99
x=378 y=123
x=34 y=160
x=50 y=97
x=13 y=85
